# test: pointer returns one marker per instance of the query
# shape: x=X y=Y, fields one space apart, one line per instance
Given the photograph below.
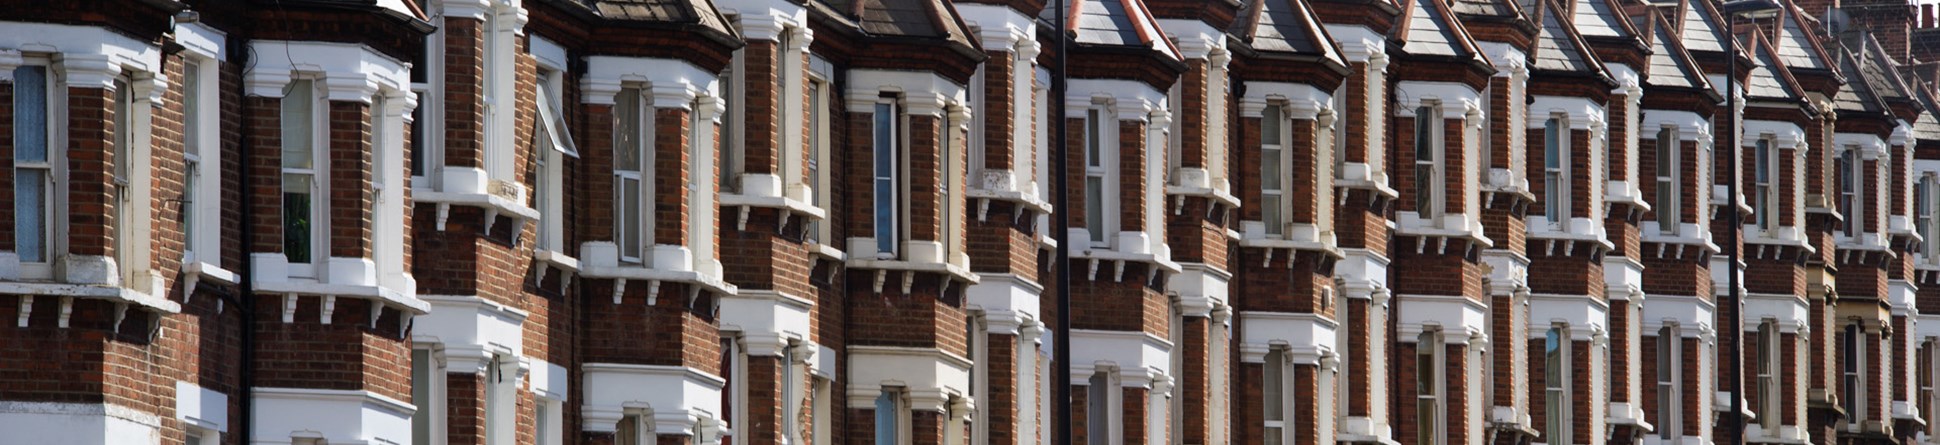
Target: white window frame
x=549 y=158
x=897 y=400
x=132 y=183
x=53 y=169
x=819 y=164
x=501 y=382
x=319 y=179
x=1276 y=204
x=1340 y=138
x=1104 y=396
x=1429 y=199
x=1770 y=392
x=734 y=391
x=642 y=102
x=1765 y=183
x=1670 y=382
x=950 y=188
x=1276 y=376
x=889 y=176
x=202 y=155
x=1852 y=190
x=430 y=404
x=1670 y=188
x=549 y=421
x=635 y=428
x=197 y=435
x=1101 y=137
x=1556 y=171
x=1928 y=214
x=428 y=153
x=733 y=142
x=499 y=29
x=1431 y=428
x=1853 y=373
x=1929 y=374
x=824 y=409
x=1557 y=374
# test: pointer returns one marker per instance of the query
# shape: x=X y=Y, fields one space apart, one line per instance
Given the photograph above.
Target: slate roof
x=1873 y=66
x=699 y=13
x=1488 y=8
x=1700 y=27
x=1855 y=95
x=1797 y=46
x=1125 y=23
x=1770 y=78
x=1670 y=64
x=1927 y=126
x=1429 y=29
x=1601 y=19
x=1559 y=47
x=1284 y=27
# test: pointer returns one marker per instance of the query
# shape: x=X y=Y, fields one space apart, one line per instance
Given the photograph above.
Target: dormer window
x=633 y=218
x=304 y=236
x=1428 y=174
x=1765 y=203
x=1851 y=193
x=1273 y=170
x=1669 y=193
x=1556 y=200
x=887 y=177
x=1100 y=222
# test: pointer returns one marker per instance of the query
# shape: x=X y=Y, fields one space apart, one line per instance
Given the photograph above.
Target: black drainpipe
x=240 y=56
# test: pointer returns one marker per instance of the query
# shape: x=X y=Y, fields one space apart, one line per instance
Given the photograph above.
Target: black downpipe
x=1061 y=343
x=245 y=396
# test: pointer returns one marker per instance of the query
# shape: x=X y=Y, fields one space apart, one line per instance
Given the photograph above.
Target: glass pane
x=1270 y=169
x=1667 y=211
x=124 y=131
x=418 y=147
x=30 y=214
x=30 y=113
x=1273 y=435
x=629 y=217
x=296 y=218
x=192 y=107
x=1273 y=213
x=626 y=154
x=1424 y=184
x=885 y=140
x=886 y=218
x=298 y=122
x=1270 y=125
x=190 y=176
x=421 y=394
x=1424 y=133
x=1426 y=413
x=1098 y=410
x=1095 y=207
x=1666 y=152
x=1092 y=130
x=1273 y=386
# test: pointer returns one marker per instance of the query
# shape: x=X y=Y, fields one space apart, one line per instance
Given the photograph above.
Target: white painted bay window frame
x=1277 y=398
x=1670 y=186
x=633 y=229
x=1670 y=382
x=312 y=143
x=892 y=424
x=1853 y=373
x=1430 y=202
x=819 y=164
x=428 y=394
x=1927 y=214
x=887 y=172
x=1558 y=372
x=134 y=100
x=1430 y=389
x=1770 y=393
x=1556 y=171
x=1852 y=190
x=1765 y=175
x=1275 y=170
x=49 y=170
x=1101 y=175
x=1104 y=398
x=553 y=143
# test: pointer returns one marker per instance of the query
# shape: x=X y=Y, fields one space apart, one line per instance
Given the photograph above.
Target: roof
x=674 y=12
x=1700 y=27
x=1428 y=29
x=1874 y=67
x=1927 y=126
x=1797 y=45
x=1670 y=64
x=1857 y=95
x=1489 y=8
x=920 y=19
x=1601 y=19
x=1126 y=23
x=1559 y=47
x=1285 y=27
x=1770 y=78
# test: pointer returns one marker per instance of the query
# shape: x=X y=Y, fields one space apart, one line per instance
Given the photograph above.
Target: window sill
x=493 y=205
x=1867 y=241
x=1518 y=193
x=1379 y=189
x=198 y=272
x=785 y=205
x=1703 y=241
x=1901 y=227
x=826 y=251
x=1828 y=211
x=672 y=264
x=1620 y=193
x=951 y=272
x=1718 y=199
x=121 y=296
x=1304 y=238
x=550 y=259
x=385 y=295
x=1410 y=224
x=1783 y=237
x=1569 y=239
x=1094 y=257
x=1625 y=414
x=1004 y=185
x=1217 y=195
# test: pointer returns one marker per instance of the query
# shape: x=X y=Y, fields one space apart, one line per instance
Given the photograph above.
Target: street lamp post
x=1732 y=10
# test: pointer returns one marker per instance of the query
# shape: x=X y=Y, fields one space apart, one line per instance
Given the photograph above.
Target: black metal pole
x=1736 y=324
x=1061 y=341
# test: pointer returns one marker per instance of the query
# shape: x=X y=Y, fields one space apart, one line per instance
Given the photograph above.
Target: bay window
x=1853 y=372
x=1278 y=404
x=1670 y=378
x=428 y=393
x=1556 y=199
x=552 y=143
x=1765 y=176
x=1556 y=386
x=1668 y=206
x=125 y=165
x=1769 y=391
x=1428 y=388
x=1099 y=220
x=1428 y=176
x=892 y=417
x=729 y=158
x=1273 y=170
x=818 y=157
x=36 y=152
x=887 y=174
x=302 y=163
x=633 y=160
x=1851 y=193
x=1100 y=408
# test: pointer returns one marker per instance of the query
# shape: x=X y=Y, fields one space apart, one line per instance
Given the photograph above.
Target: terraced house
x=699 y=222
